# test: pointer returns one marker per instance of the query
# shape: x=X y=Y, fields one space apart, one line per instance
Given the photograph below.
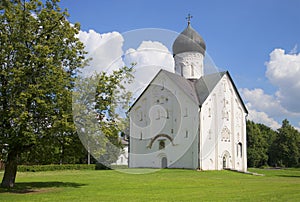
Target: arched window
x=161 y=144
x=158 y=115
x=192 y=70
x=239 y=150
x=141 y=115
x=186 y=112
x=181 y=69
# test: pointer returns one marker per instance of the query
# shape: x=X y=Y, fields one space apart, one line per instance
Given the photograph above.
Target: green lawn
x=163 y=185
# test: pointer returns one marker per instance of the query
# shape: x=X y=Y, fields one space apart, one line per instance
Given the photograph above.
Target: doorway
x=224 y=162
x=164 y=162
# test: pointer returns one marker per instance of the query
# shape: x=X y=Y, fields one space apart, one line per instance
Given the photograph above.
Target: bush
x=52 y=167
x=100 y=166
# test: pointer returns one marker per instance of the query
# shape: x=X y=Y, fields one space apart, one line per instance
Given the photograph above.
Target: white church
x=187 y=119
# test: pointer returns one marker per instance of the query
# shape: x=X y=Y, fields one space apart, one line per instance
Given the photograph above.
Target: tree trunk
x=10 y=172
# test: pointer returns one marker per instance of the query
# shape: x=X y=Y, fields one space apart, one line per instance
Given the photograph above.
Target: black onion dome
x=189 y=41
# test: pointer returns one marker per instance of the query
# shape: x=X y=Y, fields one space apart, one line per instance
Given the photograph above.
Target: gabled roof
x=185 y=85
x=206 y=84
x=198 y=90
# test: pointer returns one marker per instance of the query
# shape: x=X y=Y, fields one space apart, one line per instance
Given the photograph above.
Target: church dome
x=189 y=41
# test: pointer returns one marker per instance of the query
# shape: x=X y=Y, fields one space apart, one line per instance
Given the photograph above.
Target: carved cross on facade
x=189 y=18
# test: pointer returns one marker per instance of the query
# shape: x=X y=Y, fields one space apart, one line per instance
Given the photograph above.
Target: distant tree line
x=267 y=147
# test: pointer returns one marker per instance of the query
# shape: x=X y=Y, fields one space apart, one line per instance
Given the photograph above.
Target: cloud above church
x=261 y=117
x=283 y=72
x=107 y=54
x=105 y=51
x=149 y=57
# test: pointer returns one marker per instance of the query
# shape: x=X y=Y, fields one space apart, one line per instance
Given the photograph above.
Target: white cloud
x=283 y=71
x=262 y=117
x=150 y=57
x=104 y=49
x=264 y=102
x=150 y=54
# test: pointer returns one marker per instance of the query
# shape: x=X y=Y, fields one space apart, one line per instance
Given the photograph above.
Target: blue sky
x=239 y=35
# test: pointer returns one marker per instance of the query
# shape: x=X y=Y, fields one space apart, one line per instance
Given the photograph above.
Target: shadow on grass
x=30 y=187
x=293 y=176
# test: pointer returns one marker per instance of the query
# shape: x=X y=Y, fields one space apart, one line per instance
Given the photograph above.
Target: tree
x=257 y=146
x=286 y=146
x=39 y=59
x=99 y=103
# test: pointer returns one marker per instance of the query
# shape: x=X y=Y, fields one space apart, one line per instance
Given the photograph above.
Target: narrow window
x=186 y=112
x=181 y=69
x=192 y=70
x=161 y=145
x=141 y=137
x=239 y=150
x=186 y=134
x=209 y=112
x=141 y=116
x=158 y=115
x=168 y=114
x=224 y=86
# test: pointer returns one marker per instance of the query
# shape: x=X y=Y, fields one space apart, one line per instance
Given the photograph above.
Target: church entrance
x=164 y=162
x=224 y=162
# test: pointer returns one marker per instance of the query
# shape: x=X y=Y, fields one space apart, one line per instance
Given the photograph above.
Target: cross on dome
x=189 y=18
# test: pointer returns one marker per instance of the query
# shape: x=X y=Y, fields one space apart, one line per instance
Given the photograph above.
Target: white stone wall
x=123 y=158
x=223 y=131
x=189 y=65
x=164 y=109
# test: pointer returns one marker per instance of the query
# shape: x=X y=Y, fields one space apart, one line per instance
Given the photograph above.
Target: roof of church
x=206 y=84
x=199 y=89
x=189 y=41
x=186 y=85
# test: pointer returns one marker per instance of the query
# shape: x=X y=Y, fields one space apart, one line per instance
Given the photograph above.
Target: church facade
x=187 y=119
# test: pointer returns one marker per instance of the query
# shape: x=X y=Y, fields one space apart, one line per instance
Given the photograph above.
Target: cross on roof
x=189 y=18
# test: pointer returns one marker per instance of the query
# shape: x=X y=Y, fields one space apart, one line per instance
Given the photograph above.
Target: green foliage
x=286 y=146
x=53 y=167
x=49 y=151
x=266 y=147
x=98 y=101
x=40 y=57
x=256 y=146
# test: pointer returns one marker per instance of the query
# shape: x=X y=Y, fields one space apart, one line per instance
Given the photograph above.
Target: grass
x=163 y=185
